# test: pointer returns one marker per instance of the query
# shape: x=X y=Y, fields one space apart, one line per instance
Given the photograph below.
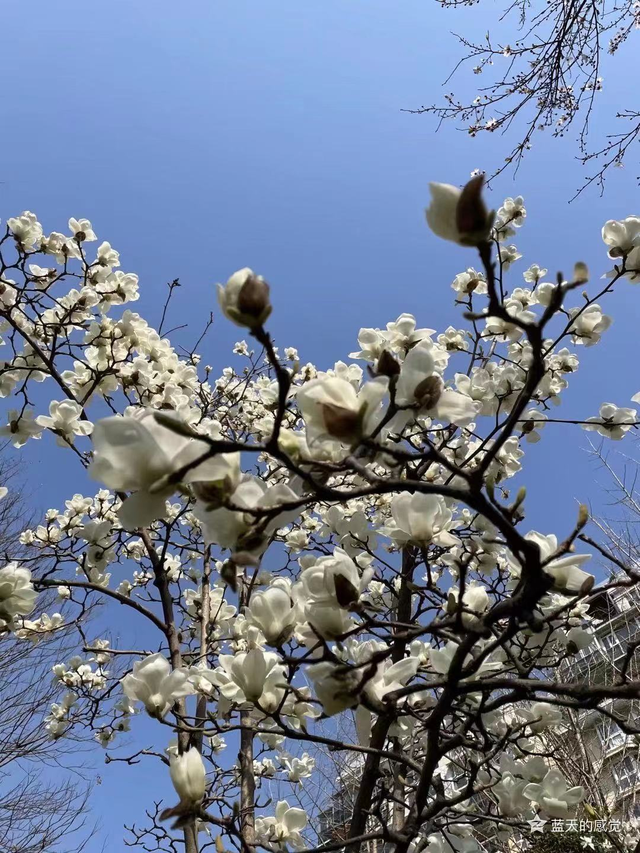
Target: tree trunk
x=247 y=780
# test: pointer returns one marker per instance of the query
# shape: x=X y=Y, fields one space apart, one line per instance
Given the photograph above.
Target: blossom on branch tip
x=333 y=409
x=552 y=794
x=81 y=230
x=420 y=519
x=17 y=595
x=284 y=829
x=612 y=421
x=327 y=590
x=568 y=577
x=139 y=454
x=154 y=683
x=420 y=386
x=244 y=299
x=273 y=612
x=588 y=324
x=336 y=686
x=255 y=676
x=26 y=230
x=247 y=532
x=188 y=776
x=460 y=215
x=21 y=427
x=65 y=418
x=621 y=236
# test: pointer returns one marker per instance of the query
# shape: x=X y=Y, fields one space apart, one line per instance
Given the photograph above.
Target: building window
x=626 y=774
x=611 y=735
x=615 y=644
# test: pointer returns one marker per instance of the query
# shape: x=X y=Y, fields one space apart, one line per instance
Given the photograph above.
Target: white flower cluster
x=309 y=541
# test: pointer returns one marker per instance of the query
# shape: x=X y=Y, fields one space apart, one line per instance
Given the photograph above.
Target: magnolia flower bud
x=460 y=215
x=580 y=272
x=189 y=780
x=245 y=299
x=188 y=776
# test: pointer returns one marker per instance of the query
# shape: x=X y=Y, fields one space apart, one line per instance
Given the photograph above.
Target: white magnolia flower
x=253 y=676
x=81 y=230
x=244 y=531
x=475 y=600
x=454 y=340
x=26 y=229
x=534 y=274
x=188 y=776
x=510 y=794
x=512 y=211
x=552 y=794
x=65 y=419
x=17 y=595
x=21 y=427
x=532 y=424
x=391 y=677
x=333 y=409
x=265 y=768
x=566 y=572
x=245 y=299
x=335 y=686
x=588 y=324
x=612 y=422
x=139 y=454
x=632 y=265
x=621 y=236
x=542 y=716
x=299 y=768
x=420 y=386
x=327 y=589
x=576 y=639
x=154 y=683
x=459 y=215
x=106 y=256
x=471 y=281
x=503 y=329
x=508 y=256
x=283 y=829
x=420 y=519
x=442 y=658
x=273 y=612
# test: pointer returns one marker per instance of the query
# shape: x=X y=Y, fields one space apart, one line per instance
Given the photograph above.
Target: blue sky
x=203 y=137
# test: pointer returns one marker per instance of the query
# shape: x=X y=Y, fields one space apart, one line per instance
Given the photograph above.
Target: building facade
x=605 y=750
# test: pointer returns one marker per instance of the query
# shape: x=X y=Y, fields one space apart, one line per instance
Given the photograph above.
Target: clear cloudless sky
x=205 y=136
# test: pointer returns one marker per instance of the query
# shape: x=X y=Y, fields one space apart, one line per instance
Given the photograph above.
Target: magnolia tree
x=300 y=543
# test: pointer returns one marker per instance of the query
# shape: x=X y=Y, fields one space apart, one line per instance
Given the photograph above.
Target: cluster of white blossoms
x=306 y=542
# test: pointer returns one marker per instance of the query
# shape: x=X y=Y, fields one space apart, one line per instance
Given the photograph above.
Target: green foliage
x=569 y=842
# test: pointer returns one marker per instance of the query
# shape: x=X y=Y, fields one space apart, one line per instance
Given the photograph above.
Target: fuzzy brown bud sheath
x=428 y=392
x=473 y=220
x=343 y=424
x=387 y=365
x=253 y=300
